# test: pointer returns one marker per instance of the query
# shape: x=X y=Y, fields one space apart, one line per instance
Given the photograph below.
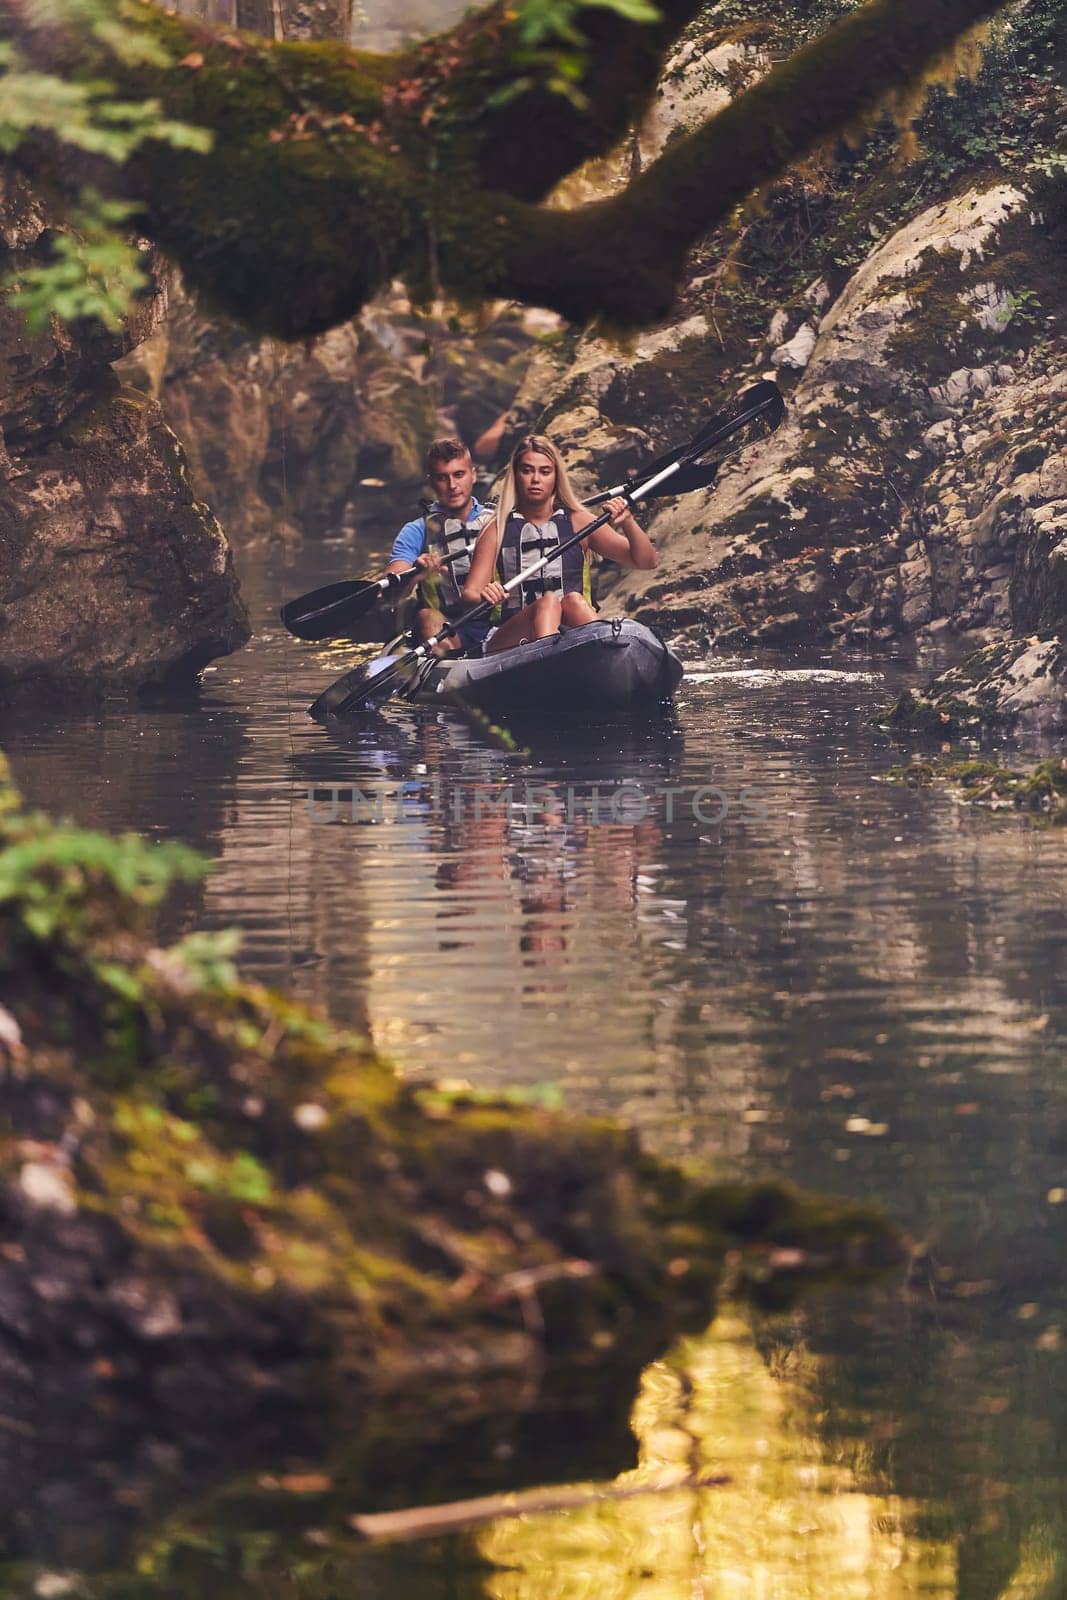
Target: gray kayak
x=603 y=666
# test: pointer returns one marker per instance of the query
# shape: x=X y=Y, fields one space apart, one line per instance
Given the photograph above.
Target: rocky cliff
x=113 y=576
x=911 y=304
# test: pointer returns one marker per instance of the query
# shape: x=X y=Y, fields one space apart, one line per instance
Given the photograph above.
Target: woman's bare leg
x=427 y=623
x=577 y=611
x=532 y=622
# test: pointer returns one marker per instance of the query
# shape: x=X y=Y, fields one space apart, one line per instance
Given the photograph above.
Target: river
x=728 y=930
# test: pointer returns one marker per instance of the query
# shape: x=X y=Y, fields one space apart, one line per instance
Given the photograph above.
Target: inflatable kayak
x=603 y=666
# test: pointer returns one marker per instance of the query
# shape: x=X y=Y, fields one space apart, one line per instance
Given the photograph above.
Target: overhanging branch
x=332 y=169
x=623 y=257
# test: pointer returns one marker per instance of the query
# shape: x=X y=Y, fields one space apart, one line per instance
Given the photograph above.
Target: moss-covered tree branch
x=623 y=257
x=333 y=171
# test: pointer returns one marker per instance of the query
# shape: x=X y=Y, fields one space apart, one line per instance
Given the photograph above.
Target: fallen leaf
x=194 y=61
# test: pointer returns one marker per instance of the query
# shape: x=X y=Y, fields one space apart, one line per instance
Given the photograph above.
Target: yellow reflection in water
x=789 y=1525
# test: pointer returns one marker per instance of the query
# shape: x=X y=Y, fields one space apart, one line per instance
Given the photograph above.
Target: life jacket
x=444 y=535
x=524 y=542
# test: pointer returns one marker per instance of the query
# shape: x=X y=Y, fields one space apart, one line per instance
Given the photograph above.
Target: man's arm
x=410 y=555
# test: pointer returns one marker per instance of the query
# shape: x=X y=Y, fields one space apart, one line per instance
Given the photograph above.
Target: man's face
x=453 y=483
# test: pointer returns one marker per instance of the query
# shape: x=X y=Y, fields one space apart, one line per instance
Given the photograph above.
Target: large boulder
x=113 y=576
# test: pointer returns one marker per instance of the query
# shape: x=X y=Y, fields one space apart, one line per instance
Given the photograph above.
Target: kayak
x=603 y=666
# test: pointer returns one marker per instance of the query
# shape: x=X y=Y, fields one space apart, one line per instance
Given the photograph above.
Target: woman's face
x=535 y=479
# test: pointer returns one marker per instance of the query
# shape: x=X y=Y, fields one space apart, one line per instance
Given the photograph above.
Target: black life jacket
x=444 y=536
x=524 y=542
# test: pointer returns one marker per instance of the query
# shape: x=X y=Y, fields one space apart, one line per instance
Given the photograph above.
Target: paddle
x=763 y=396
x=334 y=609
x=362 y=689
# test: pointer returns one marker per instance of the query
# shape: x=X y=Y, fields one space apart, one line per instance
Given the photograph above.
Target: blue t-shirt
x=410 y=542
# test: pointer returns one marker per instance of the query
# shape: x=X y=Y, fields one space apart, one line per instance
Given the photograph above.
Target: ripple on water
x=856 y=985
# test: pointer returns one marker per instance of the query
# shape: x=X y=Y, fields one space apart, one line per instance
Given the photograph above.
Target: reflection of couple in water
x=541 y=853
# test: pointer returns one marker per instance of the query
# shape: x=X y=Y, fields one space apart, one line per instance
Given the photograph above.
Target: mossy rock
x=995 y=689
x=1039 y=791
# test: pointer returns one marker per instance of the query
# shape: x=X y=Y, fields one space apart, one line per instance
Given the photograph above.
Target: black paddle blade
x=757 y=411
x=364 y=688
x=687 y=479
x=326 y=612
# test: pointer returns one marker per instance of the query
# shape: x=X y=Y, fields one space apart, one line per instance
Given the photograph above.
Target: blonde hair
x=563 y=494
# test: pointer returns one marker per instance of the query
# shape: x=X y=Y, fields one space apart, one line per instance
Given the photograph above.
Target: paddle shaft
x=393 y=580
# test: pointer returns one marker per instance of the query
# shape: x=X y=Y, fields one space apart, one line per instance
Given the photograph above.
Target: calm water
x=728 y=931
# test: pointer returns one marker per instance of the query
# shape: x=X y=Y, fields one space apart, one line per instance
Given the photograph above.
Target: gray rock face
x=113 y=577
x=918 y=487
x=893 y=497
x=997 y=688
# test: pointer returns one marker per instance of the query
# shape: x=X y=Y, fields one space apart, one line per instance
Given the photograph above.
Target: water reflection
x=791 y=1522
x=858 y=986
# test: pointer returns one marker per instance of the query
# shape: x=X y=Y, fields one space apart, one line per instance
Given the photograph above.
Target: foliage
x=85 y=115
x=54 y=879
x=550 y=51
x=208 y=958
x=95 y=269
x=72 y=899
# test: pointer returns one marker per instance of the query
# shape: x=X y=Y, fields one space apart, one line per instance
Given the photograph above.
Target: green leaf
x=631 y=10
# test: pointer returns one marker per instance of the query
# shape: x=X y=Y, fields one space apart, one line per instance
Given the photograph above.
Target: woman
x=539 y=510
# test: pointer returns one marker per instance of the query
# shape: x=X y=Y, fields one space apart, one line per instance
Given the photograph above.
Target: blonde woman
x=537 y=511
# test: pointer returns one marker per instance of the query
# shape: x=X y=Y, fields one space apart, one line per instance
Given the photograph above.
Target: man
x=451 y=526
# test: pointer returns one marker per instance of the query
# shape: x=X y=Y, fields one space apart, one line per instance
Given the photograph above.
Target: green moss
x=1040 y=790
x=940 y=332
x=233 y=1127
